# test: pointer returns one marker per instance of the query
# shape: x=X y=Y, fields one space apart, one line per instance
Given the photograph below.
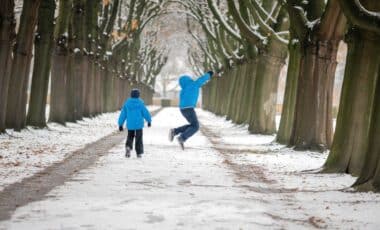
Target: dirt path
x=35 y=188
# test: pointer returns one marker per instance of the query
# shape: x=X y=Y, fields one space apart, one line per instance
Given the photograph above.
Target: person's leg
x=139 y=146
x=131 y=136
x=191 y=117
x=181 y=129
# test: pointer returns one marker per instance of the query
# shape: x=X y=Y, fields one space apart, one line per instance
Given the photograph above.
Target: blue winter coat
x=134 y=111
x=190 y=90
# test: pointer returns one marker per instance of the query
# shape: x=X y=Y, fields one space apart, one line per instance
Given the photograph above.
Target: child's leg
x=191 y=117
x=139 y=146
x=131 y=136
x=181 y=129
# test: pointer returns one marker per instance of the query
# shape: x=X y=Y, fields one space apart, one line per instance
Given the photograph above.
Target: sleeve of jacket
x=122 y=116
x=146 y=114
x=202 y=80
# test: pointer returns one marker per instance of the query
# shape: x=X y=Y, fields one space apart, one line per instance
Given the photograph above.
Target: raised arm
x=203 y=79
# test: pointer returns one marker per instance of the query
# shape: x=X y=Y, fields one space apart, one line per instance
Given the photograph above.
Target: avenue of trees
x=248 y=42
x=90 y=53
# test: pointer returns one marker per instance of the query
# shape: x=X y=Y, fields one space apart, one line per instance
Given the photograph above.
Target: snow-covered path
x=166 y=189
x=227 y=180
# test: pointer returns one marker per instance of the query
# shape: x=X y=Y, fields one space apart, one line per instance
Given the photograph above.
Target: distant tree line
x=248 y=42
x=92 y=53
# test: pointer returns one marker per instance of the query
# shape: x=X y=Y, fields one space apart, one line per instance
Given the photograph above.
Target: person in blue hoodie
x=134 y=112
x=188 y=99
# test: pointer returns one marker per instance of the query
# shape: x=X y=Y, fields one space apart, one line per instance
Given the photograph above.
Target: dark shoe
x=181 y=143
x=171 y=135
x=127 y=152
x=139 y=155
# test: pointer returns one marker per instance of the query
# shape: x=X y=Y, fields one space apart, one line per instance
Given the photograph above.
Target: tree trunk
x=247 y=92
x=265 y=94
x=91 y=19
x=253 y=71
x=218 y=92
x=79 y=65
x=312 y=126
x=313 y=110
x=109 y=89
x=92 y=82
x=369 y=178
x=58 y=102
x=288 y=107
x=99 y=90
x=85 y=68
x=231 y=92
x=17 y=93
x=242 y=81
x=42 y=64
x=354 y=117
x=71 y=82
x=7 y=36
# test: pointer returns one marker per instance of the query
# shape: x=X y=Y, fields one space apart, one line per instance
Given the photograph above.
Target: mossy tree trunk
x=252 y=85
x=287 y=116
x=312 y=127
x=242 y=81
x=247 y=92
x=355 y=148
x=369 y=177
x=7 y=36
x=263 y=120
x=43 y=47
x=313 y=111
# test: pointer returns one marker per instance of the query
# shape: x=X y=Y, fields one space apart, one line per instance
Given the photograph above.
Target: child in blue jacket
x=134 y=111
x=187 y=101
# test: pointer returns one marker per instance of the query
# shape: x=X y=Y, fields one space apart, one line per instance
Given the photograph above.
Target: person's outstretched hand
x=211 y=73
x=149 y=124
x=121 y=128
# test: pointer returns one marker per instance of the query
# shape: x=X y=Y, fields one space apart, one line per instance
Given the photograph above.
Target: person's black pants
x=139 y=147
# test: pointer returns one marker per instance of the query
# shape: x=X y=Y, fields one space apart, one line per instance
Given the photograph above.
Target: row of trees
x=248 y=41
x=92 y=54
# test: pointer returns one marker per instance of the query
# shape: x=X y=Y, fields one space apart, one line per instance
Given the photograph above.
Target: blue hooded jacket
x=134 y=111
x=190 y=90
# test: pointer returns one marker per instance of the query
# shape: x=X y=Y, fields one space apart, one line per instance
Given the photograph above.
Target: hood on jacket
x=184 y=81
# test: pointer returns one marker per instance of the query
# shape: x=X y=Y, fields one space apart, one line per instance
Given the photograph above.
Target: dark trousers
x=139 y=147
x=189 y=130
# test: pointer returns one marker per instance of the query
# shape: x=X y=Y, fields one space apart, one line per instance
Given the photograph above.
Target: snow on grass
x=298 y=193
x=24 y=153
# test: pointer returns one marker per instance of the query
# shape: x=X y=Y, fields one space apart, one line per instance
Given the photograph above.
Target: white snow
x=24 y=153
x=257 y=184
x=304 y=195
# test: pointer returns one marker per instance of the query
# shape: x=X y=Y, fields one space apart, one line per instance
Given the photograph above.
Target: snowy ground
x=289 y=182
x=225 y=179
x=24 y=153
